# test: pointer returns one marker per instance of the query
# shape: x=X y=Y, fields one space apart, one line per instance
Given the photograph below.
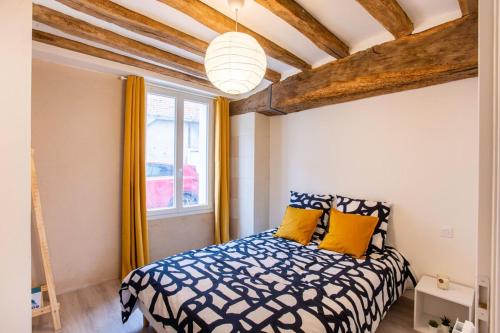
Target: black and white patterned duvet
x=266 y=284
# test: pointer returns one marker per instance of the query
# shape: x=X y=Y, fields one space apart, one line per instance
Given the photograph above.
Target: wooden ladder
x=49 y=287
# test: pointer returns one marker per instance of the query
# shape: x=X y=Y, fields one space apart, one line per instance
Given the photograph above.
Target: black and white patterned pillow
x=380 y=209
x=314 y=201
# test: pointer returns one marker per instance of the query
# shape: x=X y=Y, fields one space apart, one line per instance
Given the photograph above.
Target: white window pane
x=160 y=152
x=195 y=150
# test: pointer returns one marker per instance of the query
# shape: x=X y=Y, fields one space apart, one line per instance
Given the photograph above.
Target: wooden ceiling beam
x=116 y=14
x=220 y=23
x=390 y=14
x=121 y=16
x=82 y=29
x=468 y=6
x=68 y=44
x=295 y=15
x=441 y=54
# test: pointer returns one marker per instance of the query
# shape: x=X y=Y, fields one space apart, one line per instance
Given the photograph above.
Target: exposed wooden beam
x=96 y=34
x=390 y=14
x=272 y=76
x=295 y=15
x=114 y=13
x=260 y=102
x=72 y=45
x=444 y=53
x=220 y=23
x=468 y=6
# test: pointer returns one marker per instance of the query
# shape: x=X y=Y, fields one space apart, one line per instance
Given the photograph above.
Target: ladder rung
x=43 y=310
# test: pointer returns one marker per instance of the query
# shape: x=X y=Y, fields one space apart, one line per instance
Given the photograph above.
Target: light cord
x=236 y=10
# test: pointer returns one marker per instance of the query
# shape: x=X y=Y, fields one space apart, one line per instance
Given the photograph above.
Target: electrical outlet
x=446 y=232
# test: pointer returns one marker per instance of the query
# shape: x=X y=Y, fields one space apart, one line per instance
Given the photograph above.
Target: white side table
x=432 y=303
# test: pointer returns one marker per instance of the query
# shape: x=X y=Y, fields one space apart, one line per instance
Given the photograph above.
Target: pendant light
x=235 y=62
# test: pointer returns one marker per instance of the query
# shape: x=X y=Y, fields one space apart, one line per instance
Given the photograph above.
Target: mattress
x=266 y=284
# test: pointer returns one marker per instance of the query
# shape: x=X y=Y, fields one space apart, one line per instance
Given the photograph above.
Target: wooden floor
x=399 y=319
x=97 y=310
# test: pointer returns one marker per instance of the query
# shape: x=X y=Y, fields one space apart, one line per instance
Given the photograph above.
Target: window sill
x=167 y=213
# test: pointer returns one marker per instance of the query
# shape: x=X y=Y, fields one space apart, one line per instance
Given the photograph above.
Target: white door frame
x=488 y=209
x=495 y=240
x=495 y=228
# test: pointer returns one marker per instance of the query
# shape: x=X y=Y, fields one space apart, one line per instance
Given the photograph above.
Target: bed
x=266 y=284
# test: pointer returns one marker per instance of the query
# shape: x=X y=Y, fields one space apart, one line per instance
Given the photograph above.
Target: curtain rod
x=154 y=84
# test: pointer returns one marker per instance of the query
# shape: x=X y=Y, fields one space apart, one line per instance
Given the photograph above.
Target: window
x=178 y=146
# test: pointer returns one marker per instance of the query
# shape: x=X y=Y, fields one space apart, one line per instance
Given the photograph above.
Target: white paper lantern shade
x=235 y=62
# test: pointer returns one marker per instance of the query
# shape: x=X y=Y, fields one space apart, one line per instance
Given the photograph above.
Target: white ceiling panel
x=428 y=13
x=346 y=19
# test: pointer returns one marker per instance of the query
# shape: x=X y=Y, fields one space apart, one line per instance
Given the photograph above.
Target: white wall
x=169 y=236
x=249 y=174
x=261 y=172
x=77 y=136
x=15 y=91
x=77 y=126
x=416 y=149
x=242 y=178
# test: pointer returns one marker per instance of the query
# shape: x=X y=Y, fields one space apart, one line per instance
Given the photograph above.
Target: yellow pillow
x=349 y=233
x=298 y=224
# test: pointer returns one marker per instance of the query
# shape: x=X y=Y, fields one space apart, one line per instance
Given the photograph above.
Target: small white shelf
x=432 y=303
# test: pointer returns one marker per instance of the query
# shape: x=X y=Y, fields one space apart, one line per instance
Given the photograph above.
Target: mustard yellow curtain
x=222 y=176
x=135 y=244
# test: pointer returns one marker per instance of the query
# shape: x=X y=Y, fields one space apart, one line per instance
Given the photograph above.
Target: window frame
x=178 y=209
